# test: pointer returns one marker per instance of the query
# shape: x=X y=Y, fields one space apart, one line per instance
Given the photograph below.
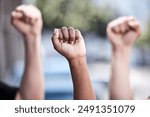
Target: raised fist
x=123 y=32
x=27 y=20
x=69 y=43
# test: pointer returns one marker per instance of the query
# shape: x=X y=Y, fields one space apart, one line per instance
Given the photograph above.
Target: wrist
x=32 y=44
x=123 y=50
x=32 y=39
x=121 y=54
x=77 y=61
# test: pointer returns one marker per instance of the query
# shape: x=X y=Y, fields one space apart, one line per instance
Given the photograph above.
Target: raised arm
x=69 y=42
x=122 y=33
x=27 y=20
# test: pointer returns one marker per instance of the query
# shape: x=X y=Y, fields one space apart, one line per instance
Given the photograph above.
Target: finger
x=60 y=36
x=78 y=35
x=110 y=30
x=135 y=26
x=122 y=24
x=23 y=9
x=32 y=11
x=114 y=26
x=131 y=18
x=116 y=29
x=16 y=15
x=31 y=19
x=71 y=35
x=55 y=39
x=64 y=31
x=18 y=24
x=124 y=27
x=28 y=12
x=56 y=33
x=127 y=28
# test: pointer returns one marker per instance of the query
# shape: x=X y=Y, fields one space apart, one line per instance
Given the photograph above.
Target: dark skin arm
x=69 y=43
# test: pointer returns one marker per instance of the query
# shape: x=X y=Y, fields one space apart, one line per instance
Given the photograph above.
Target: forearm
x=82 y=85
x=32 y=82
x=119 y=86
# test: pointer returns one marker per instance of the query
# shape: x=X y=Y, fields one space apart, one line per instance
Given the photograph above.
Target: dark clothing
x=7 y=92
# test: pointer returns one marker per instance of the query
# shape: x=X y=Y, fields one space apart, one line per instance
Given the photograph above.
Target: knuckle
x=71 y=38
x=70 y=28
x=64 y=28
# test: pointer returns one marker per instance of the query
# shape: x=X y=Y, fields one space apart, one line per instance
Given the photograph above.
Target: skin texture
x=122 y=34
x=69 y=43
x=27 y=20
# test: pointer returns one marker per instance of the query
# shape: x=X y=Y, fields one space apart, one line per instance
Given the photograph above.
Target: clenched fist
x=69 y=43
x=123 y=32
x=27 y=20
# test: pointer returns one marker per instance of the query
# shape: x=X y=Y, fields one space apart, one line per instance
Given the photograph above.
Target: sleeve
x=7 y=92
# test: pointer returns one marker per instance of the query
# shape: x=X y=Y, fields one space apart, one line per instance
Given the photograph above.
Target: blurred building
x=9 y=38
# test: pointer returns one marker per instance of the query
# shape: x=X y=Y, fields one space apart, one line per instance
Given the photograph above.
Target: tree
x=81 y=14
x=145 y=38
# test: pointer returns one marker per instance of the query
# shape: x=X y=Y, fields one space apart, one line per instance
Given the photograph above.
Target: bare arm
x=32 y=82
x=122 y=33
x=27 y=20
x=119 y=86
x=81 y=81
x=70 y=44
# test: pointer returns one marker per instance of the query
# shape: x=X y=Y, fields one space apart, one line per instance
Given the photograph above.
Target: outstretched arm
x=69 y=42
x=27 y=20
x=122 y=33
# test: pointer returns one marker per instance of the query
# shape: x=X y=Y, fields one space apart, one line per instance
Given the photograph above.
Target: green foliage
x=81 y=14
x=145 y=38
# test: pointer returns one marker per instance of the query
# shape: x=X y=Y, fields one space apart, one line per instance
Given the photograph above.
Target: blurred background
x=91 y=17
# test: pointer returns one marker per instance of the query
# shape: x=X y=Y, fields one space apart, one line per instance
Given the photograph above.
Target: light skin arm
x=122 y=34
x=119 y=86
x=27 y=20
x=69 y=43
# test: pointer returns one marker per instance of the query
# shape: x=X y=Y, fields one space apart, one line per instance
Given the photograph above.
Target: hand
x=123 y=32
x=27 y=20
x=69 y=42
